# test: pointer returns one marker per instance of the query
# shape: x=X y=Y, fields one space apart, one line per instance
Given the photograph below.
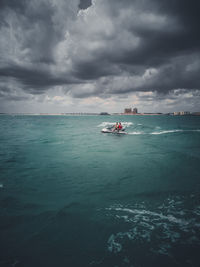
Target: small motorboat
x=113 y=131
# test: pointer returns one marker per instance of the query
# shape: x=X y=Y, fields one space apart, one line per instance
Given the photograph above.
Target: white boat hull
x=105 y=130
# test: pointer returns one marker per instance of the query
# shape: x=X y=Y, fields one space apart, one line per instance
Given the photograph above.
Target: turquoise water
x=73 y=196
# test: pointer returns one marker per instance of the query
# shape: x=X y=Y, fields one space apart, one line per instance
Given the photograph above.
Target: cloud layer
x=98 y=49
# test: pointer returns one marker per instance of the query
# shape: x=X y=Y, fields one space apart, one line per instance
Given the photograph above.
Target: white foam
x=1 y=185
x=143 y=224
x=136 y=133
x=167 y=131
x=170 y=218
x=174 y=131
x=197 y=211
x=114 y=246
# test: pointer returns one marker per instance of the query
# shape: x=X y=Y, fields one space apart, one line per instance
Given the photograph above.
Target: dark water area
x=73 y=196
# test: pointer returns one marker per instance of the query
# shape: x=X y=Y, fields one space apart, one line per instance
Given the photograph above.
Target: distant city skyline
x=60 y=56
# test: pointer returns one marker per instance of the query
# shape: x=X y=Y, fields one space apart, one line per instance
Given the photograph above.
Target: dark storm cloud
x=93 y=70
x=158 y=44
x=115 y=47
x=30 y=32
x=84 y=4
x=141 y=36
x=14 y=4
x=35 y=80
x=32 y=25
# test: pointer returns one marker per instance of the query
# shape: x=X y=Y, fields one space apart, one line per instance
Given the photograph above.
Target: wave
x=197 y=130
x=155 y=133
x=136 y=133
x=174 y=131
x=170 y=225
x=169 y=218
x=162 y=132
x=167 y=131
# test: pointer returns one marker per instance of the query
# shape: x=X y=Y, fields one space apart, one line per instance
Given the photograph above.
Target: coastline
x=98 y=114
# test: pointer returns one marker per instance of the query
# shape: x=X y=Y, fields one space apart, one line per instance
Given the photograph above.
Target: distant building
x=130 y=111
x=127 y=110
x=135 y=111
x=182 y=113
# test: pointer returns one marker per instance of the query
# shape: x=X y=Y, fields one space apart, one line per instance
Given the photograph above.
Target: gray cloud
x=35 y=80
x=136 y=37
x=100 y=48
x=84 y=4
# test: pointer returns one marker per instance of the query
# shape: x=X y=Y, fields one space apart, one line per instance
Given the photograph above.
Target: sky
x=99 y=55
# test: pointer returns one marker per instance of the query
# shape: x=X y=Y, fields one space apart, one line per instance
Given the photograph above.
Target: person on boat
x=115 y=128
x=119 y=127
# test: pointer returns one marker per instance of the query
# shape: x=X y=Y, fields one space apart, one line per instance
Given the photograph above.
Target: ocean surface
x=71 y=196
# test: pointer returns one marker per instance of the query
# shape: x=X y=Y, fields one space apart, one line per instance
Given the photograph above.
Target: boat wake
x=141 y=129
x=163 y=132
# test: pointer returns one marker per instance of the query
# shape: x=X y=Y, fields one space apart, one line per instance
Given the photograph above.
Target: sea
x=71 y=196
